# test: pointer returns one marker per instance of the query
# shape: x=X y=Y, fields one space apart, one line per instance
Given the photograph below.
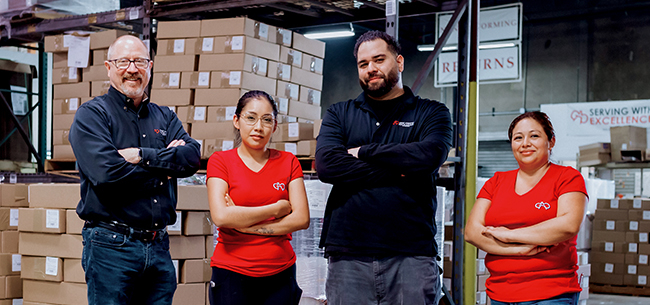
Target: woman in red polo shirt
x=257 y=199
x=527 y=221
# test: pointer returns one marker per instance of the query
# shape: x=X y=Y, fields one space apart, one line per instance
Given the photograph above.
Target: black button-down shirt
x=140 y=195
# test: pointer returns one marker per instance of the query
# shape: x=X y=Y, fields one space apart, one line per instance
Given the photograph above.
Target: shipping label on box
x=290 y=56
x=309 y=95
x=8 y=218
x=167 y=80
x=288 y=90
x=193 y=80
x=9 y=264
x=42 y=220
x=213 y=145
x=312 y=64
x=42 y=268
x=221 y=114
x=66 y=75
x=280 y=71
x=283 y=37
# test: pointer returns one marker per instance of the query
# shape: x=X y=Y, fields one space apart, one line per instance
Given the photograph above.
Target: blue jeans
x=382 y=281
x=123 y=270
x=232 y=288
x=563 y=299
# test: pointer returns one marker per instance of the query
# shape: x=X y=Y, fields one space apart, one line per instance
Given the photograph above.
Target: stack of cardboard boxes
x=628 y=144
x=12 y=197
x=50 y=243
x=78 y=74
x=620 y=247
x=203 y=67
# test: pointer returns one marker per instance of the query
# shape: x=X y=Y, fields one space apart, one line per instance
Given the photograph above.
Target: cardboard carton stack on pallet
x=78 y=74
x=203 y=67
x=12 y=198
x=620 y=247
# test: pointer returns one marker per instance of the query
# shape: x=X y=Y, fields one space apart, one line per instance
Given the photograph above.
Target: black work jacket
x=384 y=201
x=140 y=195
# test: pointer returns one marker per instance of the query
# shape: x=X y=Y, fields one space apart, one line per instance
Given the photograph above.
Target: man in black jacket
x=381 y=151
x=129 y=152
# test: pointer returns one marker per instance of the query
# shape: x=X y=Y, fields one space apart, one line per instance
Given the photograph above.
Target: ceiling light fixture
x=430 y=47
x=337 y=33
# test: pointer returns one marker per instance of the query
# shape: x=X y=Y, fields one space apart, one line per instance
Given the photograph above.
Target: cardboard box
x=312 y=64
x=595 y=148
x=186 y=247
x=59 y=59
x=211 y=146
x=11 y=287
x=60 y=137
x=290 y=56
x=309 y=95
x=304 y=110
x=66 y=75
x=54 y=43
x=63 y=152
x=9 y=242
x=611 y=225
x=608 y=268
x=306 y=45
x=603 y=257
x=636 y=237
x=306 y=148
x=195 y=271
x=10 y=264
x=281 y=71
x=306 y=78
x=8 y=218
x=282 y=103
x=54 y=195
x=42 y=220
x=242 y=79
x=248 y=45
x=609 y=246
x=234 y=26
x=62 y=121
x=175 y=63
x=42 y=244
x=193 y=80
x=42 y=268
x=594 y=159
x=210 y=242
x=611 y=214
x=639 y=214
x=288 y=90
x=208 y=45
x=317 y=124
x=281 y=36
x=623 y=204
x=72 y=271
x=55 y=293
x=217 y=97
x=166 y=80
x=180 y=46
x=197 y=223
x=291 y=147
x=175 y=229
x=95 y=73
x=636 y=259
x=292 y=132
x=14 y=195
x=73 y=224
x=635 y=280
x=257 y=65
x=179 y=29
x=219 y=130
x=68 y=105
x=172 y=97
x=627 y=138
x=63 y=91
x=221 y=62
x=221 y=114
x=99 y=56
x=193 y=293
x=192 y=198
x=104 y=39
x=606 y=278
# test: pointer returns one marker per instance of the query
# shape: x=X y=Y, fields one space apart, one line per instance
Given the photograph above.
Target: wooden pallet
x=619 y=289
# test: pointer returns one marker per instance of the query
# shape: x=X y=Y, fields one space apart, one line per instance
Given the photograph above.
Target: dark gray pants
x=383 y=281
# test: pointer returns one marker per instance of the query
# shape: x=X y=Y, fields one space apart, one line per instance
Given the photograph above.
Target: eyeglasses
x=251 y=119
x=123 y=63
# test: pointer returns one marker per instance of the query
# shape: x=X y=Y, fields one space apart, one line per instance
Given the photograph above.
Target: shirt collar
x=409 y=99
x=128 y=102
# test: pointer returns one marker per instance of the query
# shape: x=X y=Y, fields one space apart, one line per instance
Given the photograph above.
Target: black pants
x=231 y=288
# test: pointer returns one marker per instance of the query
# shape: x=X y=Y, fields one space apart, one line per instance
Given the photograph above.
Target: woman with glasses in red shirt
x=257 y=199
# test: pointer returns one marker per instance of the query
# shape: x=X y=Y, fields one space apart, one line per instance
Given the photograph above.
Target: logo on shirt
x=403 y=124
x=543 y=204
x=278 y=186
x=160 y=131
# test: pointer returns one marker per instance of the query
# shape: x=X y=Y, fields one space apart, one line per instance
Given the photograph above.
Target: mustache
x=134 y=75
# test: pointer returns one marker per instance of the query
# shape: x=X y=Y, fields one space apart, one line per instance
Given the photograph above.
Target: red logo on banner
x=579 y=115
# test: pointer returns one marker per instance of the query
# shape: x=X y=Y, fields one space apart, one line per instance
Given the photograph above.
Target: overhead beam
x=328 y=7
x=294 y=10
x=430 y=2
x=372 y=4
x=164 y=10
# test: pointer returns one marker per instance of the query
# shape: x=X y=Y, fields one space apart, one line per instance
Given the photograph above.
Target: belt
x=139 y=234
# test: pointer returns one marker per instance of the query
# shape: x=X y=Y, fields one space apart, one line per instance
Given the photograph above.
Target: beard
x=381 y=89
x=132 y=91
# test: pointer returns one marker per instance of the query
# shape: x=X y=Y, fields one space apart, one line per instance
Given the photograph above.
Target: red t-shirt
x=250 y=254
x=541 y=276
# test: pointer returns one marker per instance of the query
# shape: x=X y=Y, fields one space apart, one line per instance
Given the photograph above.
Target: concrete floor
x=610 y=299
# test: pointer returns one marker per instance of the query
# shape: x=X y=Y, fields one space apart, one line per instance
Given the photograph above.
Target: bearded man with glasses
x=129 y=152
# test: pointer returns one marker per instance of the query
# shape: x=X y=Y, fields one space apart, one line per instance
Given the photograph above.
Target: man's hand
x=176 y=143
x=354 y=152
x=131 y=155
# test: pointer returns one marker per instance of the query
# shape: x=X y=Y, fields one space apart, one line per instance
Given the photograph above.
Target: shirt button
x=124 y=107
x=144 y=135
x=161 y=183
x=155 y=201
x=377 y=123
x=155 y=225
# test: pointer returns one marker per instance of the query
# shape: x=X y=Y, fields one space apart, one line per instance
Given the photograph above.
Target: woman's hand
x=284 y=208
x=501 y=234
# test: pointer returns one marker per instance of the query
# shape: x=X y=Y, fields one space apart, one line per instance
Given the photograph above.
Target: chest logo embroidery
x=278 y=186
x=160 y=131
x=403 y=124
x=541 y=204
